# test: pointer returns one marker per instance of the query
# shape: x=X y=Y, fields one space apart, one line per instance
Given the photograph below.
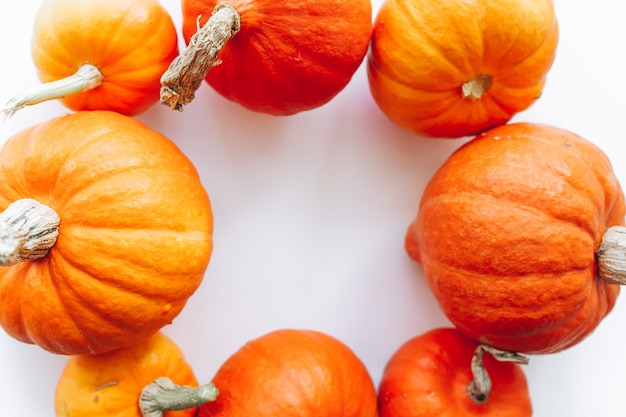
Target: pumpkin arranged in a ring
x=105 y=234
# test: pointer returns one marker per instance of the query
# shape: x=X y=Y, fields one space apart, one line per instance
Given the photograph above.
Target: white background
x=311 y=210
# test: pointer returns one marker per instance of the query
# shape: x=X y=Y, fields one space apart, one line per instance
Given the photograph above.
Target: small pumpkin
x=454 y=68
x=275 y=57
x=519 y=234
x=292 y=372
x=114 y=383
x=100 y=54
x=106 y=231
x=444 y=373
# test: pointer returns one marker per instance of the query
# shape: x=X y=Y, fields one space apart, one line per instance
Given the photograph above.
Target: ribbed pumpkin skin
x=131 y=42
x=293 y=373
x=429 y=374
x=135 y=236
x=110 y=384
x=290 y=55
x=507 y=232
x=423 y=51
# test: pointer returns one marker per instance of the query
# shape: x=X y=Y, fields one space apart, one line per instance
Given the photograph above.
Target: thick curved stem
x=479 y=388
x=86 y=78
x=187 y=71
x=28 y=229
x=475 y=88
x=164 y=395
x=611 y=255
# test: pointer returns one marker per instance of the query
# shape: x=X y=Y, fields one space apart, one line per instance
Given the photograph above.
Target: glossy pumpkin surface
x=507 y=233
x=135 y=234
x=130 y=42
x=111 y=383
x=424 y=53
x=428 y=376
x=293 y=373
x=290 y=55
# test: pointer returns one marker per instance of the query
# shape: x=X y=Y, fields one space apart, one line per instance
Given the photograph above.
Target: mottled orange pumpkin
x=106 y=231
x=111 y=384
x=278 y=57
x=100 y=54
x=452 y=68
x=433 y=375
x=512 y=231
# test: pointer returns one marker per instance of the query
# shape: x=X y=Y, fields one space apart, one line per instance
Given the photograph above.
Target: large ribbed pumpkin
x=451 y=68
x=133 y=232
x=515 y=233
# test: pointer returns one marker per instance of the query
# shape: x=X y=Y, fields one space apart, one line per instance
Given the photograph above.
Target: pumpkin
x=454 y=68
x=106 y=231
x=514 y=232
x=274 y=57
x=100 y=54
x=114 y=383
x=293 y=372
x=437 y=372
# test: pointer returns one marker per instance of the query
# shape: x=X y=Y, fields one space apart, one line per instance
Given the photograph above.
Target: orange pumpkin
x=275 y=57
x=114 y=383
x=100 y=54
x=105 y=234
x=513 y=233
x=453 y=68
x=435 y=375
x=293 y=372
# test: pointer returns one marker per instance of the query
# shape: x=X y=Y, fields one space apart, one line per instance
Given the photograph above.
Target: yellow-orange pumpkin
x=453 y=68
x=513 y=236
x=112 y=383
x=133 y=232
x=100 y=54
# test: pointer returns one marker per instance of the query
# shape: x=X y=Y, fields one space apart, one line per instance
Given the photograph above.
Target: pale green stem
x=164 y=395
x=86 y=78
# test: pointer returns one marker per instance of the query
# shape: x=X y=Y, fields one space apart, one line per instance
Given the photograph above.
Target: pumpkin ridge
x=517 y=204
x=54 y=276
x=522 y=309
x=105 y=50
x=133 y=264
x=549 y=34
x=114 y=322
x=155 y=169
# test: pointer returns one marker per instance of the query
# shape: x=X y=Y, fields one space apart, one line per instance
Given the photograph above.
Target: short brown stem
x=163 y=395
x=611 y=255
x=28 y=229
x=86 y=78
x=479 y=388
x=187 y=71
x=475 y=88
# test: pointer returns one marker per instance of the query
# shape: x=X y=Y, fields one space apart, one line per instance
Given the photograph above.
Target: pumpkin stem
x=187 y=71
x=479 y=388
x=475 y=88
x=28 y=229
x=86 y=78
x=611 y=255
x=163 y=395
